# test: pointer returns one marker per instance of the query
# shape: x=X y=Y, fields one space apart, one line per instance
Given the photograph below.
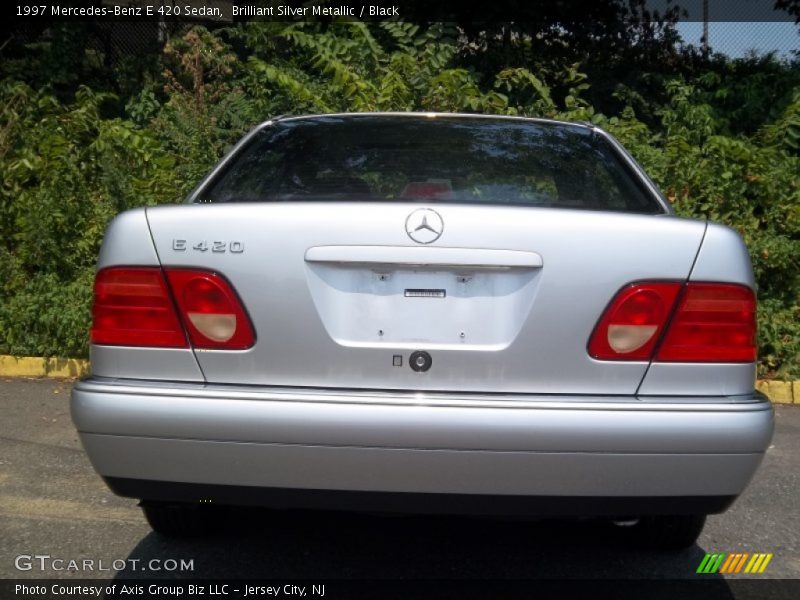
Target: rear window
x=441 y=159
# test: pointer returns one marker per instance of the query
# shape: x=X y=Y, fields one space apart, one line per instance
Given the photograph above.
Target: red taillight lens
x=714 y=322
x=213 y=315
x=132 y=307
x=632 y=324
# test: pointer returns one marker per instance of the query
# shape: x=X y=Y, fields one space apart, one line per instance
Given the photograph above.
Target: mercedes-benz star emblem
x=424 y=226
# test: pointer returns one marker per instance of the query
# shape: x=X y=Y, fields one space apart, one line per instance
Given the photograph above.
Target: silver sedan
x=425 y=312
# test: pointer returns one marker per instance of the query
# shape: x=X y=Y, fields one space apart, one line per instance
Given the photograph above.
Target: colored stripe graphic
x=755 y=563
x=764 y=564
x=720 y=562
x=741 y=562
x=728 y=564
x=735 y=562
x=711 y=562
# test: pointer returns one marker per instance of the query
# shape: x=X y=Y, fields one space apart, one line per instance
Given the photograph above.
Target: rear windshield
x=442 y=159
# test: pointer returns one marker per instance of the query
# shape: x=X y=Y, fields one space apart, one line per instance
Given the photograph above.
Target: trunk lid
x=504 y=300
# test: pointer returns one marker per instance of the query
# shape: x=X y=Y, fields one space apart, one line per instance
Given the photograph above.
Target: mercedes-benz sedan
x=425 y=312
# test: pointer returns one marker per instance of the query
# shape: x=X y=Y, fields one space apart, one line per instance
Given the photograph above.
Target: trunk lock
x=420 y=361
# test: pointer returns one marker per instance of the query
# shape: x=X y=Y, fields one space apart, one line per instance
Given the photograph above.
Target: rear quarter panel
x=128 y=242
x=723 y=257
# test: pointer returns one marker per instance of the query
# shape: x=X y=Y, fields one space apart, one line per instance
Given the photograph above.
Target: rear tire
x=668 y=533
x=183 y=520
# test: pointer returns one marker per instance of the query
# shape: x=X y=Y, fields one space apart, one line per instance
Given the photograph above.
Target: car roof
x=433 y=115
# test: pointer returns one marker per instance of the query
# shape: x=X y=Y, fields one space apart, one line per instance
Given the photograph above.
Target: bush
x=753 y=185
x=66 y=172
x=69 y=168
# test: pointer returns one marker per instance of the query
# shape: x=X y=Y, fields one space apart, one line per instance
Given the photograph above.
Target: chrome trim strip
x=747 y=402
x=425 y=256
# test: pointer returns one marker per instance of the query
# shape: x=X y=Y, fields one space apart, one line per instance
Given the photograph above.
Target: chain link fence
x=738 y=39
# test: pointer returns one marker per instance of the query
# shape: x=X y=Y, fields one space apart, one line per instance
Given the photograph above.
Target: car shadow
x=256 y=544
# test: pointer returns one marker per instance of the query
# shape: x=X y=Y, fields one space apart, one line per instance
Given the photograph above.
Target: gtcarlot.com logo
x=734 y=562
x=45 y=562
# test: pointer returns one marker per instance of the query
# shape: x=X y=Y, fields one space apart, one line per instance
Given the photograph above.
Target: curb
x=780 y=392
x=30 y=366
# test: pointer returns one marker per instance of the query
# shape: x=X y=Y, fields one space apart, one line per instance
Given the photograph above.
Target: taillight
x=132 y=307
x=714 y=322
x=213 y=315
x=632 y=324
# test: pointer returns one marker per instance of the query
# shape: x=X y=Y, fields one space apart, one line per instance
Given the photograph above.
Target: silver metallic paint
x=127 y=241
x=420 y=471
x=286 y=417
x=537 y=416
x=169 y=364
x=587 y=257
x=723 y=257
x=664 y=379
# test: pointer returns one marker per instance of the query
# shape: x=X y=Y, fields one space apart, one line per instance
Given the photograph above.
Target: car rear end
x=424 y=313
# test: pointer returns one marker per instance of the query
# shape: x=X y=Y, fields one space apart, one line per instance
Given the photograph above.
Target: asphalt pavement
x=52 y=503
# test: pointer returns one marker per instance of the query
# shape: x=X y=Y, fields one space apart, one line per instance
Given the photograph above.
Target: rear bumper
x=421 y=452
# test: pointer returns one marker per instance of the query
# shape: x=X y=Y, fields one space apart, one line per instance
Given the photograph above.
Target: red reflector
x=132 y=307
x=427 y=189
x=213 y=315
x=632 y=324
x=715 y=322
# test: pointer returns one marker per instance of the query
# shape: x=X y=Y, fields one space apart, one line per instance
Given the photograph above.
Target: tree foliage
x=65 y=171
x=722 y=143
